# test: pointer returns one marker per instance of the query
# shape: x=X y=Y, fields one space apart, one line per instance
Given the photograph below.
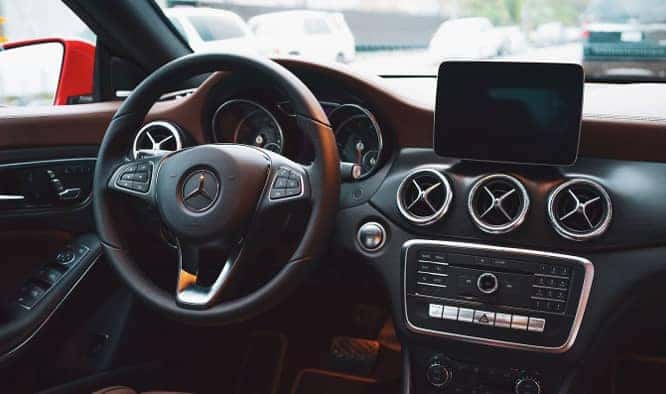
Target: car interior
x=225 y=222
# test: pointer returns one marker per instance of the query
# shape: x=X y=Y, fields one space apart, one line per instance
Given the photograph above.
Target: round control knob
x=487 y=283
x=528 y=385
x=371 y=236
x=438 y=375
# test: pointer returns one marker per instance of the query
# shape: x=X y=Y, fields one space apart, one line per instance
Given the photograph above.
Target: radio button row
x=431 y=256
x=466 y=315
x=536 y=324
x=435 y=311
x=486 y=318
x=425 y=278
x=503 y=320
x=430 y=290
x=431 y=267
x=450 y=313
x=519 y=322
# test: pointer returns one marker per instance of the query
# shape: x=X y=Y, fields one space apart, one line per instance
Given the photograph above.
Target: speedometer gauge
x=358 y=137
x=249 y=123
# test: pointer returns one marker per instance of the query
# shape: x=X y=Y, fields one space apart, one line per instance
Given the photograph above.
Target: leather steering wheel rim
x=324 y=185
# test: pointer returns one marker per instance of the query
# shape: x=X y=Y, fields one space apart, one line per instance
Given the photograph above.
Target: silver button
x=536 y=324
x=450 y=312
x=466 y=315
x=371 y=236
x=519 y=322
x=435 y=310
x=503 y=320
x=484 y=318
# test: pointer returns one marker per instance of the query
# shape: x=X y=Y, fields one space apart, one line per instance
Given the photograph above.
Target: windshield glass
x=214 y=28
x=621 y=40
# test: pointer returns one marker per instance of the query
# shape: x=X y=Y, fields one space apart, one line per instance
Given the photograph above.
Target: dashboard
x=488 y=266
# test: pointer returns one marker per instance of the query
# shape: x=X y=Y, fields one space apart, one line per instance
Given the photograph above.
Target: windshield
x=616 y=40
x=215 y=28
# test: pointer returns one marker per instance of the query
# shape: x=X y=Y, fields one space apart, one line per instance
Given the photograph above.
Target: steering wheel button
x=293 y=192
x=145 y=167
x=141 y=176
x=280 y=183
x=140 y=186
x=278 y=193
x=292 y=183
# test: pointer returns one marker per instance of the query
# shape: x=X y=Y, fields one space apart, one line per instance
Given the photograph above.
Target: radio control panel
x=497 y=296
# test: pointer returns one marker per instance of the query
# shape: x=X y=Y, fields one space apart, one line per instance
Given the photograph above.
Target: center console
x=505 y=297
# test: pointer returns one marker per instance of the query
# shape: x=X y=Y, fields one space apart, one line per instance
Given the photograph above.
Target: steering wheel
x=220 y=197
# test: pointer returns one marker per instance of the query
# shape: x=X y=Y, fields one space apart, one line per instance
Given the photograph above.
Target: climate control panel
x=497 y=296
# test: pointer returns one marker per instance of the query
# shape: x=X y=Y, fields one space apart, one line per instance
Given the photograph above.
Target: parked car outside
x=515 y=40
x=466 y=38
x=212 y=30
x=548 y=34
x=625 y=37
x=323 y=36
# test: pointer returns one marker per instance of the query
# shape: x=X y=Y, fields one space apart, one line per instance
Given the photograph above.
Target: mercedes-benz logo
x=200 y=190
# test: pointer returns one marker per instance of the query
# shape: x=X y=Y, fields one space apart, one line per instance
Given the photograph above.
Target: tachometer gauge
x=247 y=122
x=358 y=137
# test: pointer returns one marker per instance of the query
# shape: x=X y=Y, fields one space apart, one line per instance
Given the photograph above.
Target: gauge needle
x=359 y=152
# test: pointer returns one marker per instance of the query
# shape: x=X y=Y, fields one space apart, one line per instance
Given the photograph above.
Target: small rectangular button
x=466 y=315
x=503 y=320
x=484 y=318
x=519 y=322
x=143 y=167
x=435 y=311
x=450 y=312
x=536 y=324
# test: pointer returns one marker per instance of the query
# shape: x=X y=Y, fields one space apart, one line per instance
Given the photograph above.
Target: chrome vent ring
x=155 y=139
x=580 y=209
x=424 y=196
x=498 y=203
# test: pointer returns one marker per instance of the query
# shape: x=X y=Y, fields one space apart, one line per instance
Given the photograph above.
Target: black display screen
x=509 y=112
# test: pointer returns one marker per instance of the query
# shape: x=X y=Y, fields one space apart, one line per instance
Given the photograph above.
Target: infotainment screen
x=509 y=112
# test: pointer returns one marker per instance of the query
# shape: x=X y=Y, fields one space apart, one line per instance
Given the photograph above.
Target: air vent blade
x=155 y=139
x=424 y=196
x=498 y=203
x=580 y=209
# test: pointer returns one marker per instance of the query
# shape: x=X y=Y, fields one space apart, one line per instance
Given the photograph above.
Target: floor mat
x=314 y=381
x=263 y=363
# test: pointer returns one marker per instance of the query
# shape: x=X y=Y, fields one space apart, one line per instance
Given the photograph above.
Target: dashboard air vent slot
x=498 y=203
x=155 y=139
x=424 y=196
x=580 y=209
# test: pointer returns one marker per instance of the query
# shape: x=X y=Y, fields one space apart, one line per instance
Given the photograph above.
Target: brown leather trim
x=409 y=123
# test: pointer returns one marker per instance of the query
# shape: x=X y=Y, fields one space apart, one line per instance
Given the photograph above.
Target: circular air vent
x=155 y=139
x=424 y=196
x=580 y=209
x=498 y=203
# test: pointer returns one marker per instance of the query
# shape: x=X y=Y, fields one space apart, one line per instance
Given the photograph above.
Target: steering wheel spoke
x=136 y=178
x=190 y=291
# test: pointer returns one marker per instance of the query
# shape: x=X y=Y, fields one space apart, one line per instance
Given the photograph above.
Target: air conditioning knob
x=487 y=283
x=438 y=374
x=527 y=385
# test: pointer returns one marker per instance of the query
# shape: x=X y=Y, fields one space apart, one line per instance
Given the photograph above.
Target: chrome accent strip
x=431 y=273
x=504 y=228
x=547 y=299
x=11 y=352
x=437 y=215
x=47 y=161
x=157 y=145
x=575 y=327
x=551 y=276
x=431 y=284
x=584 y=236
x=432 y=262
x=11 y=197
